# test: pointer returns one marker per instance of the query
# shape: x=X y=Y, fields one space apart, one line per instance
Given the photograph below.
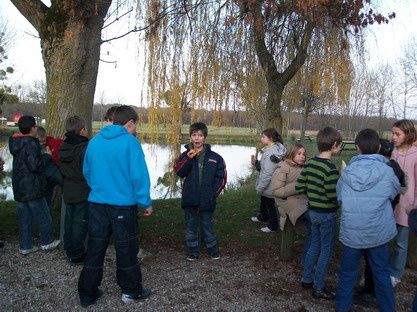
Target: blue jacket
x=364 y=192
x=212 y=183
x=115 y=169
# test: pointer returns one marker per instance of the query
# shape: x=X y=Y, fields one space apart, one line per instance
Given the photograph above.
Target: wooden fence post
x=287 y=241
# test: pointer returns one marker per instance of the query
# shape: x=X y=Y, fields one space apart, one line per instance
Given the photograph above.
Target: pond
x=157 y=157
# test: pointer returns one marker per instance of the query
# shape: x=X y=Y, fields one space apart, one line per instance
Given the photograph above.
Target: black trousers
x=122 y=222
x=268 y=213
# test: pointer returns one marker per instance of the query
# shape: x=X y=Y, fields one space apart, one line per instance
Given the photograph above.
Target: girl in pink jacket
x=405 y=153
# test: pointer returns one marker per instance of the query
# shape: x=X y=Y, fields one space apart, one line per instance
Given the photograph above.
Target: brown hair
x=293 y=150
x=407 y=126
x=273 y=135
x=74 y=124
x=327 y=137
x=123 y=114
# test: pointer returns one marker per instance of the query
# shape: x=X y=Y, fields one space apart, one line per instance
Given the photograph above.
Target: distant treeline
x=243 y=119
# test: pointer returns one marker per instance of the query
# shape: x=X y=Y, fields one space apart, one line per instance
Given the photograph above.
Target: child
x=115 y=169
x=110 y=115
x=272 y=154
x=367 y=221
x=204 y=173
x=75 y=188
x=405 y=153
x=385 y=150
x=318 y=179
x=29 y=186
x=51 y=172
x=290 y=203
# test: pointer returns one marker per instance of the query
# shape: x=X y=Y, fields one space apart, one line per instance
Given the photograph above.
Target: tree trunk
x=70 y=35
x=287 y=241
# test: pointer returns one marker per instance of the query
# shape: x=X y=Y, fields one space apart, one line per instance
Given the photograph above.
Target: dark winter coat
x=71 y=157
x=29 y=163
x=212 y=183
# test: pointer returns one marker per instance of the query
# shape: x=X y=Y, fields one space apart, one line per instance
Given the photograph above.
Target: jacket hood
x=68 y=150
x=112 y=131
x=18 y=142
x=364 y=171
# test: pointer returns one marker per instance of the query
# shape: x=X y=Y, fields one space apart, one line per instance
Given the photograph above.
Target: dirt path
x=242 y=280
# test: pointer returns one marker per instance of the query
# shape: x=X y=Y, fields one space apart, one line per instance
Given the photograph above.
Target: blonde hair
x=407 y=126
x=293 y=150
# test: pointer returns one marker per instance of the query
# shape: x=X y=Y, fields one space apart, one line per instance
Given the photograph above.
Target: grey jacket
x=271 y=156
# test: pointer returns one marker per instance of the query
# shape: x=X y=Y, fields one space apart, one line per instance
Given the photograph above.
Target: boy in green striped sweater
x=318 y=179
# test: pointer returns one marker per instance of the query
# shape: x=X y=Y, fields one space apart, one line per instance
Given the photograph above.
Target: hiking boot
x=25 y=252
x=306 y=285
x=267 y=230
x=323 y=294
x=215 y=256
x=51 y=246
x=126 y=298
x=191 y=258
x=85 y=303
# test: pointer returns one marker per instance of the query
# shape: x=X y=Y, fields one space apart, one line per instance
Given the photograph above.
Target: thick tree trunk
x=276 y=81
x=70 y=33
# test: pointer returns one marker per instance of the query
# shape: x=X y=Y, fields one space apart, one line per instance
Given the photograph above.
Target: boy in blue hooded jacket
x=115 y=170
x=367 y=225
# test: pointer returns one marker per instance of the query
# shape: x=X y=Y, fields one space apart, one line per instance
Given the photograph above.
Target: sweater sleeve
x=140 y=176
x=183 y=165
x=330 y=182
x=301 y=184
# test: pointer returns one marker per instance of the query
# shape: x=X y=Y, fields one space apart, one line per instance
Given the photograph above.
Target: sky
x=120 y=82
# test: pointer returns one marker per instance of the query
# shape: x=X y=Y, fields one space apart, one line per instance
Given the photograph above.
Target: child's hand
x=192 y=153
x=252 y=160
x=148 y=212
x=48 y=151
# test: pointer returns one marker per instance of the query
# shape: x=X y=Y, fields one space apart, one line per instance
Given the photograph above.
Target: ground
x=244 y=279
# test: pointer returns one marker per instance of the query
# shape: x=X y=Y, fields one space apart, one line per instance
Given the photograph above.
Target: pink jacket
x=408 y=201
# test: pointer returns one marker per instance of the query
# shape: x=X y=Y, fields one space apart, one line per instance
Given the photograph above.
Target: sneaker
x=51 y=246
x=323 y=294
x=142 y=254
x=255 y=219
x=395 y=281
x=215 y=256
x=267 y=230
x=126 y=298
x=191 y=258
x=25 y=252
x=306 y=285
x=85 y=303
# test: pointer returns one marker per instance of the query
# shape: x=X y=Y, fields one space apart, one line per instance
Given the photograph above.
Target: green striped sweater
x=318 y=179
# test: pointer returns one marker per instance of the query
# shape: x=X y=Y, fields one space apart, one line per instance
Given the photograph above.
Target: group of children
x=96 y=197
x=376 y=193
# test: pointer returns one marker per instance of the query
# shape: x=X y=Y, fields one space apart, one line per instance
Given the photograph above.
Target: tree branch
x=33 y=10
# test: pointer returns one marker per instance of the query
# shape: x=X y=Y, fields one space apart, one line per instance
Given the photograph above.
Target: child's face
x=398 y=136
x=265 y=140
x=197 y=139
x=300 y=157
x=83 y=132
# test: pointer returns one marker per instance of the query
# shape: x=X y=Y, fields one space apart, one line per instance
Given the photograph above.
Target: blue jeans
x=378 y=258
x=34 y=209
x=122 y=222
x=323 y=230
x=399 y=255
x=307 y=238
x=199 y=221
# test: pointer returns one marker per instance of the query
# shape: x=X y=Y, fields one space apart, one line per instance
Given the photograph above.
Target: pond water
x=157 y=157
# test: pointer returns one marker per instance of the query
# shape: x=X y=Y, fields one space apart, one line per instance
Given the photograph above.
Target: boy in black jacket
x=28 y=186
x=75 y=188
x=204 y=173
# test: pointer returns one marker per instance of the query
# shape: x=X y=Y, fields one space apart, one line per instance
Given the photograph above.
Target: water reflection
x=159 y=161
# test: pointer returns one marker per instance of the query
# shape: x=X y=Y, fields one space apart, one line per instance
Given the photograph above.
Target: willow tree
x=70 y=36
x=217 y=47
